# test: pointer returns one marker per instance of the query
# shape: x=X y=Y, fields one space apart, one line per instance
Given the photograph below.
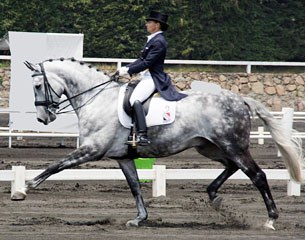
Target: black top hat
x=159 y=17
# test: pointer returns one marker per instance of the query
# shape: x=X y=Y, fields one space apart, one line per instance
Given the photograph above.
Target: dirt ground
x=100 y=209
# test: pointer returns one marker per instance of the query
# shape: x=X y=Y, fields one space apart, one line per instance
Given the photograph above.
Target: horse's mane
x=72 y=59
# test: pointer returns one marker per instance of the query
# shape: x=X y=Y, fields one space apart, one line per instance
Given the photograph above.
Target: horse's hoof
x=216 y=203
x=269 y=224
x=132 y=223
x=18 y=196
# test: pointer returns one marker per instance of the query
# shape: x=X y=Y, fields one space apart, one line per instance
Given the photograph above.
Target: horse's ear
x=30 y=66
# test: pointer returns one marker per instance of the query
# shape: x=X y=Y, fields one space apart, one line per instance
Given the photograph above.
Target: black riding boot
x=140 y=123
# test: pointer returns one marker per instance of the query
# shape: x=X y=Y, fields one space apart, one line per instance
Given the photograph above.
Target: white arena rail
x=247 y=64
x=159 y=175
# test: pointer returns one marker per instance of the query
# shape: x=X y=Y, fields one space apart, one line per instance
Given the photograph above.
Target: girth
x=126 y=104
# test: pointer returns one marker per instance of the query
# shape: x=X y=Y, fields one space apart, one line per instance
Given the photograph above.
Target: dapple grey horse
x=216 y=125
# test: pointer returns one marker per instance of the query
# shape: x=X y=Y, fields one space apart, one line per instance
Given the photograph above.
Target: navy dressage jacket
x=152 y=58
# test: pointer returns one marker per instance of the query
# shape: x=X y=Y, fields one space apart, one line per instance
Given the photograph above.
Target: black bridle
x=49 y=101
x=53 y=106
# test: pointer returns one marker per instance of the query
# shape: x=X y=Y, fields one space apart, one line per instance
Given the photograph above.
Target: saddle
x=126 y=103
x=158 y=110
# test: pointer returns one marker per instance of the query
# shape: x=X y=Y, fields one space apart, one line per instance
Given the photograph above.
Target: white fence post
x=261 y=134
x=10 y=137
x=159 y=183
x=287 y=121
x=293 y=188
x=119 y=64
x=248 y=70
x=19 y=179
x=77 y=142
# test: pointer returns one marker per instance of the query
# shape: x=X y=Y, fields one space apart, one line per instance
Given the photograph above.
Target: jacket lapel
x=147 y=45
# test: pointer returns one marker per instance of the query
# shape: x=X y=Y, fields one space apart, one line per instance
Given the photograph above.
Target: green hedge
x=261 y=30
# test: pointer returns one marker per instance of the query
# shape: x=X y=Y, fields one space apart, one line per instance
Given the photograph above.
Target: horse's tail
x=290 y=147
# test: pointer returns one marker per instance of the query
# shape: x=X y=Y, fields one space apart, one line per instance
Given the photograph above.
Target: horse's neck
x=103 y=95
x=80 y=78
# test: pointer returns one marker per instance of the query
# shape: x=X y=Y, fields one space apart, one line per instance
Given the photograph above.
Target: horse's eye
x=38 y=86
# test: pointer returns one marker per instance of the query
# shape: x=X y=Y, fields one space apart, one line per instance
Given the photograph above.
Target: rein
x=53 y=106
x=113 y=78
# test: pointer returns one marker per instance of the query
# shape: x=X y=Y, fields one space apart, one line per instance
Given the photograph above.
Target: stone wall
x=5 y=74
x=274 y=90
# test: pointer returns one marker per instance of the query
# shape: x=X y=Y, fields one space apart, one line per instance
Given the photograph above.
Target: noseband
x=49 y=102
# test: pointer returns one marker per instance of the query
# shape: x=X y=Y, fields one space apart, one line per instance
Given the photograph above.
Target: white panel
x=24 y=46
x=27 y=121
x=64 y=45
x=35 y=48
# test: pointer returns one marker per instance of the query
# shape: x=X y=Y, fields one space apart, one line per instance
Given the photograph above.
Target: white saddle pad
x=160 y=111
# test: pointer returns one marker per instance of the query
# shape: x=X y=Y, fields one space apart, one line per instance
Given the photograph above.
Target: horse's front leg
x=77 y=157
x=129 y=169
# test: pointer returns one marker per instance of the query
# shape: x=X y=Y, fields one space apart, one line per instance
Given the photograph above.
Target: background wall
x=275 y=90
x=5 y=74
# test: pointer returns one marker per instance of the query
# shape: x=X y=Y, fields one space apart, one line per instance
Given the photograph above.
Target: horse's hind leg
x=213 y=152
x=212 y=189
x=129 y=169
x=246 y=163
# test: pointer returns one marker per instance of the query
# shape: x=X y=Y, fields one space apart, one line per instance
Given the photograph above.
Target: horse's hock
x=275 y=90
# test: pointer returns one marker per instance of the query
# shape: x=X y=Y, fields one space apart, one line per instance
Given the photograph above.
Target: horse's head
x=47 y=91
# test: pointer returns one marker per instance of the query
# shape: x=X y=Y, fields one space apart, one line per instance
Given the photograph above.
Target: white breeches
x=144 y=88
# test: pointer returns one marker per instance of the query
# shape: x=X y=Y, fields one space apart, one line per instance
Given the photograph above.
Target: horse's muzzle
x=42 y=121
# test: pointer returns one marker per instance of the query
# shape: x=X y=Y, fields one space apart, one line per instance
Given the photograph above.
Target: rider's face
x=152 y=26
